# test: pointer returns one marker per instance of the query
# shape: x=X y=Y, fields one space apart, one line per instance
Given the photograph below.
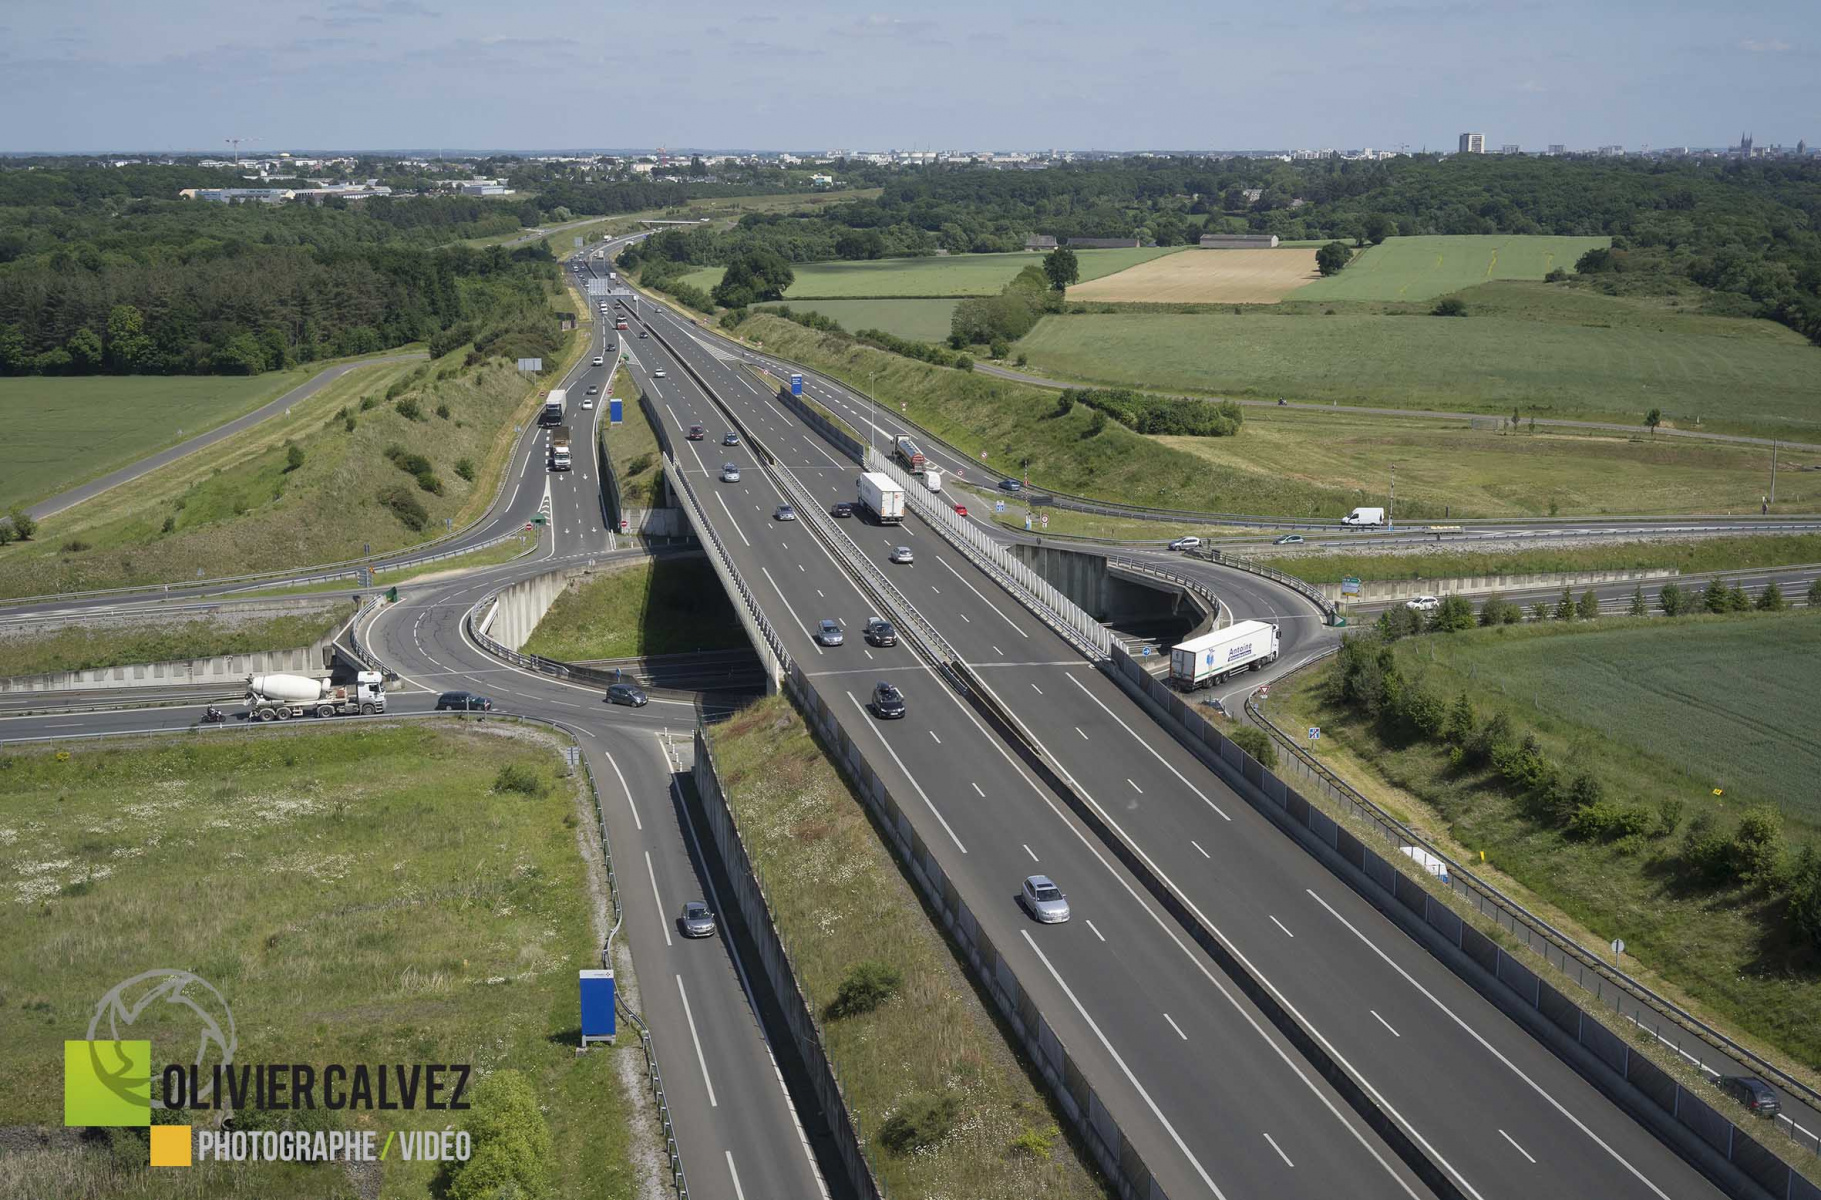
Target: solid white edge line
x=913 y=780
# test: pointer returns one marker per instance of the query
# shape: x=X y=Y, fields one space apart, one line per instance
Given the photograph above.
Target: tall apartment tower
x=1473 y=143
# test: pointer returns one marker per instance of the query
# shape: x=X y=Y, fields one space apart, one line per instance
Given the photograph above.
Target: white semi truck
x=881 y=496
x=554 y=404
x=281 y=697
x=1212 y=657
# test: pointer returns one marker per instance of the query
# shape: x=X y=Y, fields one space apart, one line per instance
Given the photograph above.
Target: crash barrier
x=773 y=658
x=1631 y=1001
x=836 y=436
x=1086 y=1114
x=1726 y=1153
x=1399 y=589
x=1219 y=615
x=781 y=973
x=1302 y=588
x=610 y=479
x=1049 y=605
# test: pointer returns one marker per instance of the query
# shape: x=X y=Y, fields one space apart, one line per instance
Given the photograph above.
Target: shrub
x=404 y=506
x=1161 y=414
x=1669 y=815
x=964 y=362
x=1671 y=600
x=1758 y=844
x=1607 y=821
x=294 y=457
x=922 y=1120
x=520 y=779
x=1707 y=851
x=1804 y=894
x=397 y=389
x=1035 y=1143
x=442 y=410
x=1000 y=348
x=1096 y=426
x=1496 y=610
x=429 y=481
x=1737 y=600
x=1814 y=593
x=1715 y=596
x=74 y=546
x=1449 y=306
x=867 y=985
x=23 y=523
x=1454 y=614
x=1255 y=742
x=730 y=320
x=409 y=409
x=1020 y=361
x=347 y=424
x=368 y=402
x=7 y=536
x=1589 y=607
x=1564 y=605
x=1771 y=598
x=465 y=468
x=1539 y=611
x=170 y=523
x=511 y=1144
x=406 y=461
x=1638 y=608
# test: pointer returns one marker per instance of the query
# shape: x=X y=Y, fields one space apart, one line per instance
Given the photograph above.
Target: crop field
x=1421 y=268
x=919 y=320
x=371 y=896
x=61 y=431
x=934 y=276
x=1206 y=277
x=1544 y=350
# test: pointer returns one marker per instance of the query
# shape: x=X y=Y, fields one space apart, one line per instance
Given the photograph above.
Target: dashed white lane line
x=1090 y=924
x=1135 y=787
x=983 y=598
x=731 y=521
x=1160 y=758
x=1517 y=1147
x=1280 y=1151
x=701 y=1059
x=653 y=873
x=1030 y=852
x=1281 y=925
x=1197 y=845
x=932 y=734
x=1176 y=1027
x=1385 y=1023
x=738 y=1192
x=977 y=790
x=913 y=781
x=1084 y=737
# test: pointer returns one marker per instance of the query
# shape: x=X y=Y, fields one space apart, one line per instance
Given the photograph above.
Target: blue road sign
x=796 y=385
x=1315 y=733
x=597 y=1006
x=615 y=410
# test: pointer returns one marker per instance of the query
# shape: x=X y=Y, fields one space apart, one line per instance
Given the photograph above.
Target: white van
x=932 y=479
x=1364 y=516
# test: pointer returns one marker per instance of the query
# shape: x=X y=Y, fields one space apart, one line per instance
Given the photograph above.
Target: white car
x=1422 y=603
x=730 y=473
x=659 y=374
x=588 y=402
x=599 y=361
x=902 y=554
x=1186 y=543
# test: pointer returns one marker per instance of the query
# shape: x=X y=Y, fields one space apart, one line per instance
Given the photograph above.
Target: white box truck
x=1364 y=516
x=554 y=404
x=280 y=697
x=559 y=449
x=1212 y=657
x=881 y=496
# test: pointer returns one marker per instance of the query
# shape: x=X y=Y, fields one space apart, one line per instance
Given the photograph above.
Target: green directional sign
x=1349 y=585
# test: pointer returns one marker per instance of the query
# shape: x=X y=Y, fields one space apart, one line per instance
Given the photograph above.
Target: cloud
x=350 y=13
x=881 y=25
x=1765 y=45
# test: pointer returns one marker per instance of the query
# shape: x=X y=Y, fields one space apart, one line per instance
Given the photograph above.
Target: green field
x=1661 y=713
x=918 y=320
x=1547 y=350
x=355 y=895
x=936 y=275
x=1691 y=557
x=667 y=605
x=62 y=431
x=839 y=898
x=82 y=648
x=1422 y=268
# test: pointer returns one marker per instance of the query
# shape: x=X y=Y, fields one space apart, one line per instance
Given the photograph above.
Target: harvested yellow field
x=1196 y=276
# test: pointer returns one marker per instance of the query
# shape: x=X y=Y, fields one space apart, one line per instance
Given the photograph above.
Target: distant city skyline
x=185 y=75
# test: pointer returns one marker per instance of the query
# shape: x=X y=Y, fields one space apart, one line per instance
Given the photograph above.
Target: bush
x=922 y=1120
x=1804 y=894
x=1449 y=306
x=1638 y=607
x=1758 y=844
x=408 y=408
x=23 y=523
x=442 y=410
x=1707 y=851
x=1454 y=614
x=511 y=1144
x=368 y=402
x=1496 y=610
x=1589 y=607
x=1035 y=1143
x=404 y=506
x=294 y=457
x=1671 y=600
x=1607 y=821
x=1096 y=426
x=1021 y=360
x=1771 y=598
x=347 y=424
x=406 y=461
x=1564 y=606
x=1162 y=415
x=964 y=362
x=7 y=536
x=867 y=985
x=74 y=546
x=521 y=779
x=1001 y=348
x=730 y=320
x=430 y=483
x=465 y=468
x=1814 y=593
x=170 y=523
x=1255 y=742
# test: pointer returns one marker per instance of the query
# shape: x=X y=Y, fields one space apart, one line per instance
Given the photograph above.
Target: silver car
x=696 y=920
x=784 y=512
x=829 y=633
x=902 y=554
x=1044 y=900
x=730 y=473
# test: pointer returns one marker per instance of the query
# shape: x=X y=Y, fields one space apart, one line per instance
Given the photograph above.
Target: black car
x=1752 y=1092
x=627 y=693
x=464 y=702
x=888 y=702
x=843 y=509
x=644 y=334
x=879 y=632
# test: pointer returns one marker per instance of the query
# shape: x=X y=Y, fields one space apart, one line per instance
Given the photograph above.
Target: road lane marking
x=1030 y=852
x=982 y=595
x=1197 y=845
x=1385 y=1023
x=1160 y=758
x=1280 y=1151
x=791 y=611
x=1130 y=1077
x=1090 y=924
x=1135 y=787
x=1517 y=1147
x=736 y=524
x=701 y=1059
x=1280 y=925
x=1176 y=1027
x=932 y=733
x=738 y=1192
x=652 y=871
x=977 y=790
x=1037 y=689
x=636 y=823
x=913 y=780
x=1084 y=737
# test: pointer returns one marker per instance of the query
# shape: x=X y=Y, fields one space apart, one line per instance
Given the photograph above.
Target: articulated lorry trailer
x=1212 y=657
x=281 y=697
x=881 y=496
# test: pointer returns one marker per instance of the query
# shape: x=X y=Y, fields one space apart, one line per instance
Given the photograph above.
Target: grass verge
x=839 y=900
x=83 y=648
x=1660 y=713
x=371 y=898
x=632 y=446
x=671 y=604
x=1693 y=557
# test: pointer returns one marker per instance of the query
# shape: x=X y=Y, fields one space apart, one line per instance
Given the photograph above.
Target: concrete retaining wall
x=523 y=604
x=1473 y=585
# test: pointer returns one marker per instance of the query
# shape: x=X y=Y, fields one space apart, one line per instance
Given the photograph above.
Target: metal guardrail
x=1307 y=590
x=1223 y=615
x=1610 y=985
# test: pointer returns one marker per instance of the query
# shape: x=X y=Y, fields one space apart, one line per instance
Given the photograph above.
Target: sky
x=186 y=75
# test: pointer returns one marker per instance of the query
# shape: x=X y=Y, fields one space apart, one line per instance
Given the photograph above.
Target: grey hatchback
x=696 y=921
x=1044 y=900
x=627 y=693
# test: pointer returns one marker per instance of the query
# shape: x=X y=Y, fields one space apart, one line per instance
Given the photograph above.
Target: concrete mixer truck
x=280 y=697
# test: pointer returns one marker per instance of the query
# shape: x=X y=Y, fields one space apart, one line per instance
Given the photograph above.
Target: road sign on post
x=1315 y=733
x=597 y=1006
x=796 y=385
x=1349 y=586
x=531 y=366
x=615 y=410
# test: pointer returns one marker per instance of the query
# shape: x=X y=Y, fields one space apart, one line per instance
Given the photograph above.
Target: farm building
x=1103 y=243
x=1238 y=241
x=1040 y=241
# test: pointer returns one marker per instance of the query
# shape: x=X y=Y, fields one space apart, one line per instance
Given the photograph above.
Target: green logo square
x=107 y=1083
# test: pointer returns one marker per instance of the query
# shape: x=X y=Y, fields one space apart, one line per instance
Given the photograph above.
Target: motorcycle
x=213 y=716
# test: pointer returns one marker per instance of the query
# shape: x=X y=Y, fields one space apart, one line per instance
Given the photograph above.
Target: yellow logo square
x=171 y=1145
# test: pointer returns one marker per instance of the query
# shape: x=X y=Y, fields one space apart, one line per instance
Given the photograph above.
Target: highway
x=1499 y=1113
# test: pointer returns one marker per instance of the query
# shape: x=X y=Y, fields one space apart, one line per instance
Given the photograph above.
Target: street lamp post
x=1391 y=509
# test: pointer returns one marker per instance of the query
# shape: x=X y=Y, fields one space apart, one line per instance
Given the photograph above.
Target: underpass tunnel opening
x=1131 y=604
